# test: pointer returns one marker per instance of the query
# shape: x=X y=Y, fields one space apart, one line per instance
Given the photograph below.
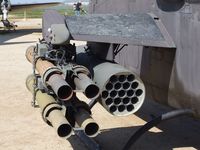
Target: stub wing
x=136 y=29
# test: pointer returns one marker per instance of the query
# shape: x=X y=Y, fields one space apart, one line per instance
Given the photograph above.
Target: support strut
x=87 y=141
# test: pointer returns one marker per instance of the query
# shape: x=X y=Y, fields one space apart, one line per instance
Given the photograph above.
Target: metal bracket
x=118 y=48
x=90 y=143
x=33 y=102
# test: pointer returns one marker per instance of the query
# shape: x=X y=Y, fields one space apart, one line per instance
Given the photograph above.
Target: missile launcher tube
x=59 y=122
x=86 y=122
x=54 y=78
x=41 y=65
x=60 y=87
x=90 y=89
x=51 y=111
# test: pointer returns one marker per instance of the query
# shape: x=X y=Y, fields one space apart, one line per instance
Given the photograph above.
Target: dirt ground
x=22 y=128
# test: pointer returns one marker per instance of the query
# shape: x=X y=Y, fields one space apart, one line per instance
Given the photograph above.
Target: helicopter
x=6 y=6
x=171 y=75
x=135 y=49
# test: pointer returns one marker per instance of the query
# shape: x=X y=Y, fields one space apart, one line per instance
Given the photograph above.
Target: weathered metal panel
x=135 y=29
x=180 y=87
x=50 y=17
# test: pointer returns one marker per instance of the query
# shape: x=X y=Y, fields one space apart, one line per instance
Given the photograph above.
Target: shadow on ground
x=167 y=140
x=176 y=133
x=8 y=35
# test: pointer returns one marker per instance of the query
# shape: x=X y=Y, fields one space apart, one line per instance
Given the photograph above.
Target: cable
x=154 y=122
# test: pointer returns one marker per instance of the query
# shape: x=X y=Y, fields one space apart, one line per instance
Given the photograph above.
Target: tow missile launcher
x=54 y=90
x=61 y=69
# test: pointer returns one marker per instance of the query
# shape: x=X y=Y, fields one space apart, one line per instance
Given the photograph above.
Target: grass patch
x=38 y=12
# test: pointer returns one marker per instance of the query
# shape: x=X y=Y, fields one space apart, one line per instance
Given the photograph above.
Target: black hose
x=154 y=122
